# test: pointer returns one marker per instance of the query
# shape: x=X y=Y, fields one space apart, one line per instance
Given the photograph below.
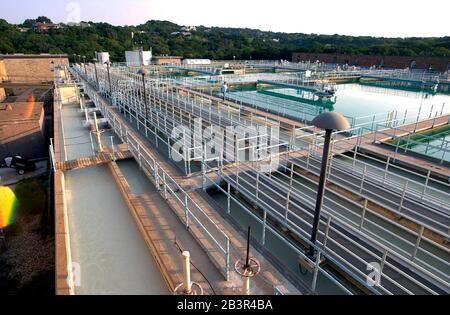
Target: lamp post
x=84 y=63
x=79 y=59
x=94 y=61
x=329 y=121
x=108 y=64
x=143 y=73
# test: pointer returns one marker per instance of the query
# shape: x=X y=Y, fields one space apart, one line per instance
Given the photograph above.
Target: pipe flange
x=196 y=289
x=249 y=271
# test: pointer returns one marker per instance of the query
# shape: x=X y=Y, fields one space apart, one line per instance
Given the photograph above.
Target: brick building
x=22 y=130
x=167 y=60
x=41 y=27
x=31 y=68
x=440 y=64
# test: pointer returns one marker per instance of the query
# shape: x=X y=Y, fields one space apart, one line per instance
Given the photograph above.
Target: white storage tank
x=102 y=57
x=196 y=61
x=138 y=58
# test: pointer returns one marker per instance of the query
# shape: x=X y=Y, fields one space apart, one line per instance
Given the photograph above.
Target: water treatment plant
x=159 y=161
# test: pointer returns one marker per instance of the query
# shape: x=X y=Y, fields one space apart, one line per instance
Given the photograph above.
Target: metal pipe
x=187 y=272
x=97 y=133
x=320 y=192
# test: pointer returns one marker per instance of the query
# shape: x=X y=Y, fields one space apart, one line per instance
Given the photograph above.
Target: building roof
x=20 y=111
x=41 y=56
x=167 y=57
x=20 y=119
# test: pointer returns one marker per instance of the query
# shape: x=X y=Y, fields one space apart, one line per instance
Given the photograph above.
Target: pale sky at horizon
x=388 y=18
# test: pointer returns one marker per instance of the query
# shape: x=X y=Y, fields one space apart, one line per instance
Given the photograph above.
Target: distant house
x=84 y=25
x=80 y=24
x=42 y=27
x=188 y=29
x=23 y=29
x=181 y=33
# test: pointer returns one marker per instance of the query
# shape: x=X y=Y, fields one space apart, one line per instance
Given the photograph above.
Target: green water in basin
x=353 y=100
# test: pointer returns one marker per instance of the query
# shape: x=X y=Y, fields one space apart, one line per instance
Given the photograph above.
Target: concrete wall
x=32 y=146
x=35 y=68
x=2 y=76
x=167 y=60
x=27 y=138
x=441 y=64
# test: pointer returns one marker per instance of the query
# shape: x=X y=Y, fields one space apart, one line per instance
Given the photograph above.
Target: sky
x=387 y=18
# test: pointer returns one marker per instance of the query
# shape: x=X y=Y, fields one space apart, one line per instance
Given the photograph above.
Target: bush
x=31 y=196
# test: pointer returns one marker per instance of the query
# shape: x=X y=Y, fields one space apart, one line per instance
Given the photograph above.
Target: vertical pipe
x=97 y=132
x=246 y=285
x=187 y=272
x=247 y=259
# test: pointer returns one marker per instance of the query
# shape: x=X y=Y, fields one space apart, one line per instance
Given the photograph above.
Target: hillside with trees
x=215 y=43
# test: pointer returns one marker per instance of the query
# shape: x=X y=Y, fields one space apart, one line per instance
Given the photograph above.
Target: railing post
x=227 y=267
x=257 y=186
x=383 y=261
x=327 y=229
x=164 y=185
x=92 y=143
x=443 y=153
x=228 y=198
x=425 y=186
x=316 y=271
x=156 y=174
x=363 y=214
x=186 y=210
x=363 y=178
x=386 y=169
x=403 y=196
x=419 y=238
x=286 y=209
x=263 y=237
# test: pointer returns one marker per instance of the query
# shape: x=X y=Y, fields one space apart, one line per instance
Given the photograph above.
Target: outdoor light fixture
x=94 y=61
x=108 y=64
x=329 y=121
x=143 y=73
x=84 y=63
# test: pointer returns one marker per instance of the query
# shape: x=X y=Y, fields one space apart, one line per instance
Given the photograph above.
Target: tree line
x=204 y=42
